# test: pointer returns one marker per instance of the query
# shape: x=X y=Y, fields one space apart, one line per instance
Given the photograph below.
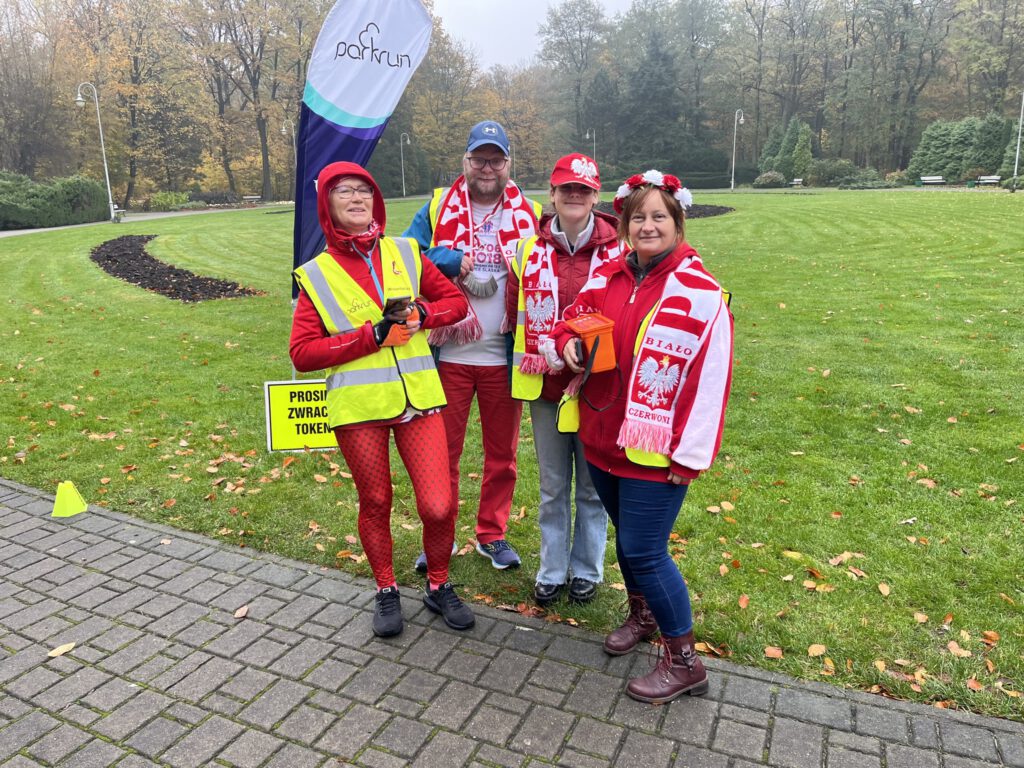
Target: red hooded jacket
x=311 y=348
x=572 y=270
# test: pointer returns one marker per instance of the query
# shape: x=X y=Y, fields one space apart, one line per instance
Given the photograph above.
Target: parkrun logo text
x=366 y=50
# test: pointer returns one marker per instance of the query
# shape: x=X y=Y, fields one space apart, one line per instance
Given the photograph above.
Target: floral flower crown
x=665 y=181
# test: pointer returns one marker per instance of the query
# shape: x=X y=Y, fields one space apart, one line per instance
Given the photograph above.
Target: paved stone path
x=162 y=673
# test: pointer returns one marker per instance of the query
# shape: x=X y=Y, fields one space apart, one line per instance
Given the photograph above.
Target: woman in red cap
x=361 y=306
x=654 y=422
x=547 y=273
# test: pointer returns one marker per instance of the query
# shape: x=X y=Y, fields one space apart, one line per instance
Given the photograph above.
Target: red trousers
x=366 y=451
x=499 y=422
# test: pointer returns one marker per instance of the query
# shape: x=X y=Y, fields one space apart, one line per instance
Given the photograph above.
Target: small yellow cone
x=69 y=501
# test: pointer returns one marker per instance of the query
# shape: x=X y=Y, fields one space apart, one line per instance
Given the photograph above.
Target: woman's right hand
x=571 y=358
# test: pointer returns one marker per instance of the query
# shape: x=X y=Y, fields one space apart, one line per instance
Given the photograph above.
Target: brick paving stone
x=536 y=695
x=303 y=657
x=250 y=750
x=489 y=755
x=924 y=732
x=110 y=695
x=134 y=654
x=95 y=754
x=749 y=716
x=151 y=670
x=31 y=614
x=58 y=744
x=600 y=738
x=180 y=670
x=352 y=732
x=29 y=685
x=845 y=758
x=469 y=667
x=156 y=736
x=373 y=680
x=691 y=720
x=294 y=756
x=570 y=758
x=855 y=742
x=72 y=688
x=453 y=706
x=131 y=715
x=20 y=761
x=20 y=733
x=637 y=715
x=76 y=713
x=578 y=652
x=952 y=761
x=116 y=637
x=136 y=761
x=542 y=732
x=1012 y=749
x=277 y=575
x=899 y=756
x=52 y=625
x=445 y=750
x=739 y=739
x=968 y=741
x=643 y=749
x=593 y=693
x=883 y=723
x=399 y=706
x=748 y=693
x=238 y=638
x=332 y=675
x=247 y=684
x=694 y=757
x=222 y=704
x=305 y=724
x=186 y=713
x=796 y=744
x=509 y=667
x=800 y=705
x=403 y=736
x=491 y=724
x=274 y=705
x=555 y=675
x=202 y=743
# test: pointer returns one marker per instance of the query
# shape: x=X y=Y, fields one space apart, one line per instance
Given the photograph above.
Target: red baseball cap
x=576 y=169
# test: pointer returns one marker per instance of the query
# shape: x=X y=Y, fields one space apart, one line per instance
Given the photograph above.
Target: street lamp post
x=403 y=139
x=289 y=125
x=737 y=120
x=594 y=132
x=1016 y=159
x=80 y=103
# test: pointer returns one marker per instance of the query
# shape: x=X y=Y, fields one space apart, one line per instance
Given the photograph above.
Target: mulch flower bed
x=126 y=259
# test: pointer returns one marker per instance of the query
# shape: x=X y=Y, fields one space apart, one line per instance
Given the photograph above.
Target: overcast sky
x=503 y=32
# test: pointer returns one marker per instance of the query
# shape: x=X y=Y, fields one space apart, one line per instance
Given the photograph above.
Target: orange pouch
x=596 y=331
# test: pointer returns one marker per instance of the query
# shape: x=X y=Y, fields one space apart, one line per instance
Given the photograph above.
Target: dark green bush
x=215 y=197
x=827 y=171
x=865 y=178
x=25 y=204
x=769 y=180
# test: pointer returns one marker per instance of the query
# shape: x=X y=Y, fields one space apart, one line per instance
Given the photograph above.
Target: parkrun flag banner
x=365 y=55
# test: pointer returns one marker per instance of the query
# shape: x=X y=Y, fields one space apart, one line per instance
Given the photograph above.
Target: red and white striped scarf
x=540 y=294
x=454 y=229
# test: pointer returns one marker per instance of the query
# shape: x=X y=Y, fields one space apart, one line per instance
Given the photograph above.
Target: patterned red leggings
x=421 y=444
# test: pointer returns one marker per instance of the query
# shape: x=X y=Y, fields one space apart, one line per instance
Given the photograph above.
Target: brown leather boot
x=679 y=671
x=639 y=625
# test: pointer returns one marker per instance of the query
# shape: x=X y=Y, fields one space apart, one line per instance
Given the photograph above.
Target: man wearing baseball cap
x=547 y=274
x=469 y=231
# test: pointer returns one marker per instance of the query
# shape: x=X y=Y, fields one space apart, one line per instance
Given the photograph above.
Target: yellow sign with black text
x=297 y=415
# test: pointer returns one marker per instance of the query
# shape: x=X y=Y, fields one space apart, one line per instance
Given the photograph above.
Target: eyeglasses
x=479 y=163
x=346 y=193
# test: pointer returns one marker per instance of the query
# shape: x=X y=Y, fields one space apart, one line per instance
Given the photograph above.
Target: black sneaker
x=546 y=594
x=387 y=613
x=447 y=604
x=581 y=591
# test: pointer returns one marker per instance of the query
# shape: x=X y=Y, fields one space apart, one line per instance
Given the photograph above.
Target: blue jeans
x=643 y=513
x=566 y=548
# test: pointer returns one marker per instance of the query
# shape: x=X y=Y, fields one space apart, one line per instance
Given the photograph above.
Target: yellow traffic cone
x=69 y=501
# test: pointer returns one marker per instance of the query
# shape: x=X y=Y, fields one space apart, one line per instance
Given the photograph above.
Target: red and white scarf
x=455 y=228
x=540 y=294
x=689 y=304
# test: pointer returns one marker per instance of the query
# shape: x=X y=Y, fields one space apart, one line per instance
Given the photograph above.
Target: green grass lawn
x=879 y=341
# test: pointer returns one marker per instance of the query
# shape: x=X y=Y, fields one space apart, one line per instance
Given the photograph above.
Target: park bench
x=932 y=180
x=251 y=199
x=118 y=214
x=796 y=183
x=989 y=179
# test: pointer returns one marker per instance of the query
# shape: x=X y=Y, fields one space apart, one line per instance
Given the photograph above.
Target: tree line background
x=202 y=96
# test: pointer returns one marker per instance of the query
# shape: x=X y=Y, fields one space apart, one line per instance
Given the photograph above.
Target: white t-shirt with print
x=488 y=262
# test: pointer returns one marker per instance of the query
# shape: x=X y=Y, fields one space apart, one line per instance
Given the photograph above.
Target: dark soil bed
x=126 y=259
x=693 y=212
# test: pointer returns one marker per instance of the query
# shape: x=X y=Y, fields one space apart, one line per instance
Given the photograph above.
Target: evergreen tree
x=990 y=140
x=784 y=160
x=802 y=155
x=961 y=139
x=1010 y=153
x=771 y=149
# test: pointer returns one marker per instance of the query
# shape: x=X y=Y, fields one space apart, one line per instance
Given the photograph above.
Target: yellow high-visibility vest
x=525 y=386
x=380 y=385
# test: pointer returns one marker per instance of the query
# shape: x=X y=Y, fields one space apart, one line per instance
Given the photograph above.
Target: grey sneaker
x=501 y=554
x=421 y=561
x=387 y=613
x=445 y=602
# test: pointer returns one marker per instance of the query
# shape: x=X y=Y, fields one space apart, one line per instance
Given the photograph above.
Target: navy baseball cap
x=487 y=132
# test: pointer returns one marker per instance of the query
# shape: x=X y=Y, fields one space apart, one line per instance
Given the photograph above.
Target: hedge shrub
x=770 y=179
x=25 y=204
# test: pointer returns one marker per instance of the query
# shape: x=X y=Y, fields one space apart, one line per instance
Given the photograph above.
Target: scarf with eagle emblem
x=689 y=304
x=539 y=285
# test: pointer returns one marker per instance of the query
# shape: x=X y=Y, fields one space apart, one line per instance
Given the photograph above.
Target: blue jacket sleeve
x=448 y=260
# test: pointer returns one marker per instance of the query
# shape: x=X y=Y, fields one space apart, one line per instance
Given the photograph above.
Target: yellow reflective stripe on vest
x=646 y=458
x=525 y=386
x=435 y=204
x=318 y=280
x=412 y=264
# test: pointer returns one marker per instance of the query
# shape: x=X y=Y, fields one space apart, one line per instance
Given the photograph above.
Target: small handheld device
x=396 y=304
x=578 y=349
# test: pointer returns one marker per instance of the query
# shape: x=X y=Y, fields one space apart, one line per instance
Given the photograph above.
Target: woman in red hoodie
x=361 y=308
x=653 y=423
x=547 y=274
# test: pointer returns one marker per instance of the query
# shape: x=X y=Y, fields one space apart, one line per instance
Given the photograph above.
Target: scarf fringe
x=532 y=363
x=505 y=326
x=645 y=437
x=463 y=332
x=572 y=389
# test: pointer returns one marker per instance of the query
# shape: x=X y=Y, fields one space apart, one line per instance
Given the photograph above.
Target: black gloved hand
x=389 y=333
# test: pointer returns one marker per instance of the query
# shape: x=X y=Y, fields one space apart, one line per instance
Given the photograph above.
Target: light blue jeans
x=566 y=549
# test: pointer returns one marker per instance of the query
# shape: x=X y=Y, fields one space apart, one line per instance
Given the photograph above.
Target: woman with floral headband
x=653 y=423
